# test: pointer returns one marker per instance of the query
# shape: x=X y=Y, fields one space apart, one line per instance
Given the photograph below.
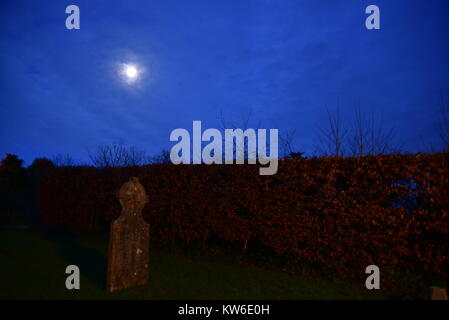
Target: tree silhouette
x=333 y=136
x=443 y=125
x=365 y=135
x=116 y=154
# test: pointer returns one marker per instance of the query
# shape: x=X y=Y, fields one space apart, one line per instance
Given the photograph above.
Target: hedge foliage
x=341 y=213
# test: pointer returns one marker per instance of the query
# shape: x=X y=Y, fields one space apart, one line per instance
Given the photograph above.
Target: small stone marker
x=129 y=240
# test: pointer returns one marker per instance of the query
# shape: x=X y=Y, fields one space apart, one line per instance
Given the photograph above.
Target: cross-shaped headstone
x=129 y=240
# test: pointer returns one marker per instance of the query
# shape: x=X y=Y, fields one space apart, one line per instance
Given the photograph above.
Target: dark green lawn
x=32 y=266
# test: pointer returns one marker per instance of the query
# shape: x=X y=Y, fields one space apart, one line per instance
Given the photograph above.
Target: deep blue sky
x=284 y=60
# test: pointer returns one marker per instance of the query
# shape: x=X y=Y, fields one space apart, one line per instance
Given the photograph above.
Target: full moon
x=131 y=72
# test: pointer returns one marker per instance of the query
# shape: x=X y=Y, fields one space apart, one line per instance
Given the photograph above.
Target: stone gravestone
x=437 y=293
x=129 y=240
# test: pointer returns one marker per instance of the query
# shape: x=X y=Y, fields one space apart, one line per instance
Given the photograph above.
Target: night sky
x=283 y=61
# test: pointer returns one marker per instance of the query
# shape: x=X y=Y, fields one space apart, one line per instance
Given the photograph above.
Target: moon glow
x=130 y=72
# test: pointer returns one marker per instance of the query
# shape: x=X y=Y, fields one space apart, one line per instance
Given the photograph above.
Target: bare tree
x=443 y=125
x=162 y=157
x=363 y=136
x=333 y=136
x=286 y=139
x=243 y=124
x=117 y=154
x=61 y=160
x=367 y=136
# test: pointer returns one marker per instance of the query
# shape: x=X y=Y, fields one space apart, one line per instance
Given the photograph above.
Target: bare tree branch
x=364 y=136
x=117 y=154
x=443 y=124
x=367 y=136
x=65 y=160
x=333 y=136
x=162 y=157
x=286 y=139
x=244 y=124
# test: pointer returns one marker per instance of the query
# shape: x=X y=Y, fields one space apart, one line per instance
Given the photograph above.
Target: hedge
x=341 y=213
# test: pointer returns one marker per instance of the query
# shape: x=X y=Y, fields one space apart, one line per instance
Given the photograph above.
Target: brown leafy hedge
x=340 y=213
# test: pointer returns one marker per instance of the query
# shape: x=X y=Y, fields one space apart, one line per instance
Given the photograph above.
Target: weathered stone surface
x=128 y=255
x=437 y=293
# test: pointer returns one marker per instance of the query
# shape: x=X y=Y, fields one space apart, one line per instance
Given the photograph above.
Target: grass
x=33 y=266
